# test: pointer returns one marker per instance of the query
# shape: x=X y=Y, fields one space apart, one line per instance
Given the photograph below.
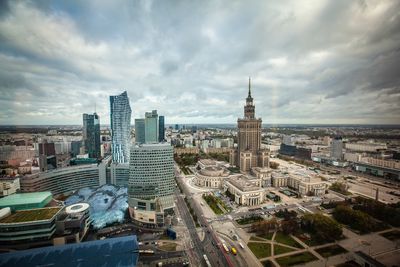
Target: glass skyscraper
x=91 y=135
x=151 y=127
x=140 y=131
x=161 y=129
x=120 y=113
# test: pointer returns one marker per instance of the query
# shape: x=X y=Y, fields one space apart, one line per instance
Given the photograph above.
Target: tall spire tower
x=249 y=153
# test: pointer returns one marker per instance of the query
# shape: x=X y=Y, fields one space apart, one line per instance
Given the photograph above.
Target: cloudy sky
x=310 y=61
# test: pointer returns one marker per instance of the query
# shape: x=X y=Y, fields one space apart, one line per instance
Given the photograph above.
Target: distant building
x=151 y=127
x=302 y=183
x=151 y=183
x=177 y=127
x=194 y=128
x=210 y=174
x=249 y=153
x=75 y=148
x=161 y=128
x=9 y=186
x=337 y=148
x=120 y=120
x=91 y=134
x=140 y=131
x=47 y=149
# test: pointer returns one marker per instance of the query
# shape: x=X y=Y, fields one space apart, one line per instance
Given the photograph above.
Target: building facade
x=161 y=129
x=151 y=183
x=249 y=153
x=140 y=131
x=151 y=127
x=337 y=148
x=91 y=134
x=120 y=120
x=119 y=174
x=247 y=191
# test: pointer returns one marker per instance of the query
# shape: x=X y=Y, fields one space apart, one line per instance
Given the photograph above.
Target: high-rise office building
x=75 y=148
x=91 y=134
x=161 y=129
x=249 y=153
x=120 y=120
x=151 y=183
x=140 y=131
x=151 y=127
x=47 y=149
x=337 y=148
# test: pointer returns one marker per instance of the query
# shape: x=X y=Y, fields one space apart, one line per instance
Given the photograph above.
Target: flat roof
x=24 y=198
x=113 y=252
x=31 y=215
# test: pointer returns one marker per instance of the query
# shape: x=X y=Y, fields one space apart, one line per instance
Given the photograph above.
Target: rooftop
x=31 y=215
x=24 y=198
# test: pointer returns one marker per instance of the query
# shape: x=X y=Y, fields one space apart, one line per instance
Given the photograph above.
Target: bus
x=206 y=260
x=225 y=248
x=234 y=251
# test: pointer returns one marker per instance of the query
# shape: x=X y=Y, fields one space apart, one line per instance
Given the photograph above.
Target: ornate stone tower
x=249 y=153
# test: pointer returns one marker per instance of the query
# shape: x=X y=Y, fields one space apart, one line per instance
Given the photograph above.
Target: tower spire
x=249 y=87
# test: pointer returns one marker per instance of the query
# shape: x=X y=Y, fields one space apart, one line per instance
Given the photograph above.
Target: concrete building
x=151 y=127
x=247 y=190
x=120 y=121
x=210 y=174
x=140 y=131
x=16 y=154
x=119 y=174
x=9 y=186
x=24 y=201
x=91 y=134
x=151 y=183
x=300 y=182
x=365 y=147
x=249 y=153
x=337 y=148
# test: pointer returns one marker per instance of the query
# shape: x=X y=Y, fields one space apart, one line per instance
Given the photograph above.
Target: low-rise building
x=247 y=190
x=303 y=183
x=9 y=186
x=24 y=201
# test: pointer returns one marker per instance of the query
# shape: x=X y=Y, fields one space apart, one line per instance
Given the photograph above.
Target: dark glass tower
x=161 y=129
x=91 y=134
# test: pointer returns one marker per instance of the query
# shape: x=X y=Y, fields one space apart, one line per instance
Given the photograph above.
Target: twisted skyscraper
x=120 y=112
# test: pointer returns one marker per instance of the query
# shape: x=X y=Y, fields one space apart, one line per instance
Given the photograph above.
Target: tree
x=274 y=165
x=322 y=226
x=290 y=226
x=339 y=187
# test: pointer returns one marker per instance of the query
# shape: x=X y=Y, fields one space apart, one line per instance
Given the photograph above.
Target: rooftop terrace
x=31 y=215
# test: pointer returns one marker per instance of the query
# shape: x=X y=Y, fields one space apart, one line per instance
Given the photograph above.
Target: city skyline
x=333 y=62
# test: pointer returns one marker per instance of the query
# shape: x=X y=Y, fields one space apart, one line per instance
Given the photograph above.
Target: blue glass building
x=91 y=135
x=120 y=120
x=140 y=131
x=161 y=128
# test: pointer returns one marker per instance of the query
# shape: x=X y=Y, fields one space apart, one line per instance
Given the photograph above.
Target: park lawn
x=392 y=235
x=212 y=202
x=249 y=220
x=281 y=249
x=312 y=241
x=287 y=240
x=266 y=236
x=296 y=259
x=329 y=251
x=255 y=238
x=168 y=247
x=260 y=250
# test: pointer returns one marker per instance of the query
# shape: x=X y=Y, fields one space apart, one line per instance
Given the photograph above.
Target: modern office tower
x=161 y=129
x=151 y=183
x=91 y=134
x=194 y=128
x=120 y=119
x=75 y=148
x=177 y=127
x=337 y=148
x=140 y=131
x=47 y=149
x=151 y=127
x=249 y=153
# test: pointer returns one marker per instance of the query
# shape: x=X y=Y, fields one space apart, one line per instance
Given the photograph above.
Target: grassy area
x=168 y=247
x=249 y=220
x=287 y=240
x=255 y=238
x=331 y=251
x=212 y=202
x=281 y=249
x=31 y=215
x=296 y=259
x=392 y=235
x=312 y=240
x=267 y=236
x=260 y=250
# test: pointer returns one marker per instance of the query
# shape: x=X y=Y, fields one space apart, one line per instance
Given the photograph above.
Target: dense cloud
x=310 y=62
